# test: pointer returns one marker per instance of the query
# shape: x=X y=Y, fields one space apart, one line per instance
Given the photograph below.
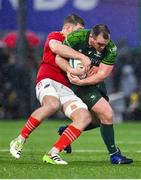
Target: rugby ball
x=75 y=63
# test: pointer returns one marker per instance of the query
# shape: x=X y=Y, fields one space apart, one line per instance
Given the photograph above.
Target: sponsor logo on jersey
x=92 y=97
x=89 y=52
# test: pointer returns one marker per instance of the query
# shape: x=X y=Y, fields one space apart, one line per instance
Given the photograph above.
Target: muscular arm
x=67 y=52
x=64 y=65
x=103 y=72
x=58 y=48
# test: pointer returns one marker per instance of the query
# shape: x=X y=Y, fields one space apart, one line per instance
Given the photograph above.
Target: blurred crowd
x=17 y=83
x=126 y=80
x=17 y=94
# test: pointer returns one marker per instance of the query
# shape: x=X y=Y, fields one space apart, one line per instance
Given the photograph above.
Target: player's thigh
x=98 y=102
x=103 y=110
x=77 y=111
x=90 y=96
x=66 y=96
x=71 y=103
x=47 y=94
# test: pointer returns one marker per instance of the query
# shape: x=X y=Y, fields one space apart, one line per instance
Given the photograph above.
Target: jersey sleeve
x=55 y=36
x=75 y=38
x=111 y=54
x=72 y=39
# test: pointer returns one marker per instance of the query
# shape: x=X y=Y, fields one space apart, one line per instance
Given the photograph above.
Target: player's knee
x=74 y=108
x=54 y=106
x=51 y=103
x=86 y=117
x=82 y=117
x=108 y=117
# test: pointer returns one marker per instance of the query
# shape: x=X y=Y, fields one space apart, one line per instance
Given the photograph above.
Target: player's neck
x=64 y=33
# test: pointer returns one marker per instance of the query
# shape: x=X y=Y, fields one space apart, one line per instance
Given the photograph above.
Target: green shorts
x=91 y=94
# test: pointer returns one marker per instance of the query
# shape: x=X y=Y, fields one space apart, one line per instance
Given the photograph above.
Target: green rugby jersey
x=78 y=40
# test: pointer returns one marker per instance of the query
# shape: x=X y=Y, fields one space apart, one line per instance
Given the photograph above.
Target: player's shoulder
x=112 y=47
x=55 y=34
x=81 y=32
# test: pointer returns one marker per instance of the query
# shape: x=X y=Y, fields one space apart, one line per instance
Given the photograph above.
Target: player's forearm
x=65 y=66
x=62 y=63
x=67 y=52
x=103 y=72
x=94 y=79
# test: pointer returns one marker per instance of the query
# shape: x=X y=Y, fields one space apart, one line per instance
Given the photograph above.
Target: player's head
x=99 y=37
x=72 y=23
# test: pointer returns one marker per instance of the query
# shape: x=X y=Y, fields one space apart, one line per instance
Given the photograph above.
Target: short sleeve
x=111 y=54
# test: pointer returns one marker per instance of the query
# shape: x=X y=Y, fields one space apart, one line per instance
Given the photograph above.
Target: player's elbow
x=54 y=48
x=102 y=76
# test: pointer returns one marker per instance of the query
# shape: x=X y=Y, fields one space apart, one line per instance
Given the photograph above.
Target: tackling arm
x=103 y=72
x=64 y=65
x=67 y=52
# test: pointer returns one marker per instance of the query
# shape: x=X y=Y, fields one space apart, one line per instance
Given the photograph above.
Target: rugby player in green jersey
x=97 y=45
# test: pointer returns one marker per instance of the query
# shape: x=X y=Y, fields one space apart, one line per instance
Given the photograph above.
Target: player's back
x=48 y=55
x=48 y=68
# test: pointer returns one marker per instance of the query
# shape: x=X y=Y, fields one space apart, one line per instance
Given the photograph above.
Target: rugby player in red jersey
x=53 y=92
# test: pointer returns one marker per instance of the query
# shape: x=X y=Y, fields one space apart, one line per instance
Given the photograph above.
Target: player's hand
x=78 y=71
x=92 y=71
x=86 y=62
x=74 y=79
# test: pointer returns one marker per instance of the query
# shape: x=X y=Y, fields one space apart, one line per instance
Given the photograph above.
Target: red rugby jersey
x=48 y=68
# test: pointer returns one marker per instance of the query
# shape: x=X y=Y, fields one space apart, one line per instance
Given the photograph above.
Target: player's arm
x=103 y=72
x=64 y=65
x=65 y=51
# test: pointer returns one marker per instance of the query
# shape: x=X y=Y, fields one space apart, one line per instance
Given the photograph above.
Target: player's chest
x=95 y=56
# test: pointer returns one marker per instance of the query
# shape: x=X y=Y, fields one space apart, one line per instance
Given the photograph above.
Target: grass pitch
x=89 y=159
